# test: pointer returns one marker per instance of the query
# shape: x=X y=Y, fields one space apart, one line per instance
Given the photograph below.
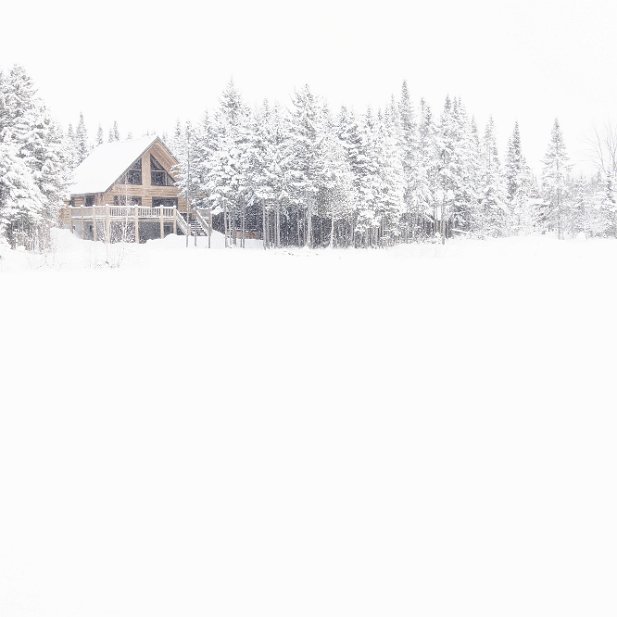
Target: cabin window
x=89 y=201
x=164 y=202
x=158 y=174
x=133 y=175
x=120 y=200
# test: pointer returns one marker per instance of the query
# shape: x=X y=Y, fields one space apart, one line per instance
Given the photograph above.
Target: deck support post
x=107 y=225
x=161 y=224
x=137 y=224
x=94 y=231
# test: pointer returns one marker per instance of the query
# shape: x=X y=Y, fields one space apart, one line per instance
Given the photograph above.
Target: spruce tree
x=409 y=160
x=555 y=190
x=518 y=184
x=492 y=194
x=82 y=147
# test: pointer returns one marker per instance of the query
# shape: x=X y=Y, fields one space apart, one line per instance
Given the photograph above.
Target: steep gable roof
x=107 y=162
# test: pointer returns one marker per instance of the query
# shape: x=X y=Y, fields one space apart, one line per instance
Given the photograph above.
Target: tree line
x=305 y=175
x=308 y=176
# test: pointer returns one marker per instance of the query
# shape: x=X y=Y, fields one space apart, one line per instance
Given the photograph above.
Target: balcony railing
x=122 y=212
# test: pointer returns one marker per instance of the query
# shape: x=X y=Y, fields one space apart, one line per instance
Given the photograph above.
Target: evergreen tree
x=555 y=189
x=409 y=160
x=518 y=184
x=492 y=195
x=310 y=173
x=21 y=202
x=35 y=163
x=427 y=171
x=82 y=148
x=227 y=174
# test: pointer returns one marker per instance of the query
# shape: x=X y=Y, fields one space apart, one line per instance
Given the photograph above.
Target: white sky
x=517 y=59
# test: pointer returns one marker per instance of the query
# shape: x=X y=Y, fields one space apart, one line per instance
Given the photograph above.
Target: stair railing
x=182 y=224
x=201 y=220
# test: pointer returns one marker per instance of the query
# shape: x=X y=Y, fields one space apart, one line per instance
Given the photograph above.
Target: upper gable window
x=159 y=176
x=133 y=175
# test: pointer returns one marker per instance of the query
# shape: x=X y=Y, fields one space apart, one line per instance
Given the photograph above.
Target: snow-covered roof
x=106 y=163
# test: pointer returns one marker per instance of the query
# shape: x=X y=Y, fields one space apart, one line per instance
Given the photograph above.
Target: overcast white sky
x=147 y=64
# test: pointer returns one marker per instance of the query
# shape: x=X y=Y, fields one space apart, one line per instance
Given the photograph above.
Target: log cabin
x=126 y=190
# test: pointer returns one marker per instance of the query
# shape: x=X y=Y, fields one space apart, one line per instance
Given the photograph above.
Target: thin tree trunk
x=225 y=223
x=264 y=225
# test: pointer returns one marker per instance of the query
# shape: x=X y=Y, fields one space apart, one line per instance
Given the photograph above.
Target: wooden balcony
x=101 y=220
x=122 y=213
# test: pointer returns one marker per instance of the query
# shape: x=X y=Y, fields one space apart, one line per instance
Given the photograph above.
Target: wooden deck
x=106 y=216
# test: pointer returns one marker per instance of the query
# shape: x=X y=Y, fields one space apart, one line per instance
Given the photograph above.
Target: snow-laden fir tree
x=453 y=162
x=408 y=140
x=518 y=185
x=227 y=173
x=268 y=172
x=390 y=203
x=35 y=163
x=353 y=140
x=310 y=171
x=21 y=201
x=82 y=146
x=555 y=185
x=114 y=133
x=427 y=171
x=493 y=206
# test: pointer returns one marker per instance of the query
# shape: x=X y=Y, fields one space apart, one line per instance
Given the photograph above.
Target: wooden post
x=94 y=234
x=161 y=224
x=175 y=223
x=107 y=225
x=136 y=224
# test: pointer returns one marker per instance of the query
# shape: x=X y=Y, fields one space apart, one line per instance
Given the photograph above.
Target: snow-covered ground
x=422 y=431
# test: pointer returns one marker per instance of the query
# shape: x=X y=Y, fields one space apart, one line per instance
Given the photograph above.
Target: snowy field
x=424 y=431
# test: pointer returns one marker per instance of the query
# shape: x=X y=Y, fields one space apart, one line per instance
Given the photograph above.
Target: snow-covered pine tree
x=21 y=105
x=227 y=174
x=82 y=146
x=336 y=190
x=371 y=185
x=353 y=140
x=475 y=178
x=21 y=201
x=30 y=134
x=100 y=137
x=427 y=171
x=268 y=171
x=555 y=186
x=408 y=139
x=391 y=203
x=608 y=202
x=518 y=185
x=493 y=206
x=581 y=213
x=450 y=170
x=605 y=146
x=115 y=132
x=307 y=152
x=470 y=162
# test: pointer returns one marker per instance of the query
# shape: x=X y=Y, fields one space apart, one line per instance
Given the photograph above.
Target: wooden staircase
x=193 y=224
